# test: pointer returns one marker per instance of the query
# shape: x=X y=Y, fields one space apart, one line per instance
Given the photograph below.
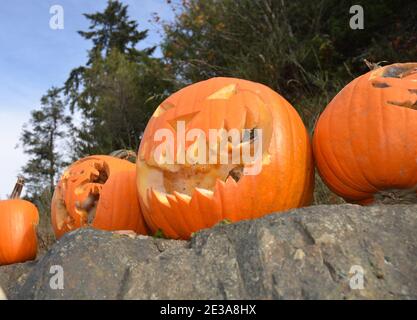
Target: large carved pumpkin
x=365 y=142
x=97 y=191
x=18 y=221
x=183 y=196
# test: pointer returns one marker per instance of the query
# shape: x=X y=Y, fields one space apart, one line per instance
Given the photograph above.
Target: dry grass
x=46 y=237
x=322 y=194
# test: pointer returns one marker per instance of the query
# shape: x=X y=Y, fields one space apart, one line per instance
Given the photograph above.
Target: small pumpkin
x=97 y=191
x=365 y=141
x=18 y=221
x=180 y=198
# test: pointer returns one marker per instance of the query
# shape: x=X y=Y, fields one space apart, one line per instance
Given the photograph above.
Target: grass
x=46 y=236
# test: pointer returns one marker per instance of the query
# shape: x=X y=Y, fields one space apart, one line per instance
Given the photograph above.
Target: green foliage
x=40 y=139
x=112 y=29
x=160 y=234
x=118 y=89
x=224 y=222
x=303 y=49
x=117 y=99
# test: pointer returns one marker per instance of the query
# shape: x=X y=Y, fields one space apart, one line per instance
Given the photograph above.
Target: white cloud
x=11 y=159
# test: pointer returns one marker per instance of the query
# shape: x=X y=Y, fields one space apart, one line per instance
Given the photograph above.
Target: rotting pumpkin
x=97 y=191
x=180 y=198
x=18 y=221
x=365 y=141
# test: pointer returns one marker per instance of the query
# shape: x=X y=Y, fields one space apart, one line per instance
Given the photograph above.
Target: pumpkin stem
x=128 y=155
x=373 y=65
x=17 y=191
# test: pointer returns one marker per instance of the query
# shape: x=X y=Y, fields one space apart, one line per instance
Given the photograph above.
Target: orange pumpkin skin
x=365 y=141
x=93 y=192
x=118 y=208
x=18 y=239
x=180 y=199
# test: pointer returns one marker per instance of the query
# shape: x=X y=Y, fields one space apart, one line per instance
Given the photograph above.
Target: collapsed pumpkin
x=98 y=191
x=365 y=142
x=18 y=221
x=193 y=191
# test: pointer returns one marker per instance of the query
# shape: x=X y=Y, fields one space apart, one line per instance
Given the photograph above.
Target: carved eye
x=250 y=135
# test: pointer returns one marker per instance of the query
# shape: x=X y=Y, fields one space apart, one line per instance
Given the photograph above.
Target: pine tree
x=109 y=30
x=41 y=139
x=118 y=88
x=112 y=29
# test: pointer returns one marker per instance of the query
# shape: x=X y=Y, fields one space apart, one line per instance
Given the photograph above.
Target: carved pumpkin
x=181 y=197
x=97 y=191
x=18 y=221
x=365 y=142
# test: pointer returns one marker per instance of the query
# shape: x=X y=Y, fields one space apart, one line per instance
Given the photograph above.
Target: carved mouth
x=186 y=180
x=87 y=194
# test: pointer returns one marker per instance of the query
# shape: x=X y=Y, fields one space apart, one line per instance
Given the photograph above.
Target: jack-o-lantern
x=18 y=221
x=97 y=191
x=365 y=142
x=188 y=175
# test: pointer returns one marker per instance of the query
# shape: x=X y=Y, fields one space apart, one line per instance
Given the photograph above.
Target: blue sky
x=34 y=57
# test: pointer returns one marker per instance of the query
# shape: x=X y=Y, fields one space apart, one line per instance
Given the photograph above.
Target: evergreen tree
x=112 y=29
x=40 y=139
x=109 y=30
x=117 y=100
x=118 y=88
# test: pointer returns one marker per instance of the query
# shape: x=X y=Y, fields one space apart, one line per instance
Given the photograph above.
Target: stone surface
x=12 y=277
x=309 y=253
